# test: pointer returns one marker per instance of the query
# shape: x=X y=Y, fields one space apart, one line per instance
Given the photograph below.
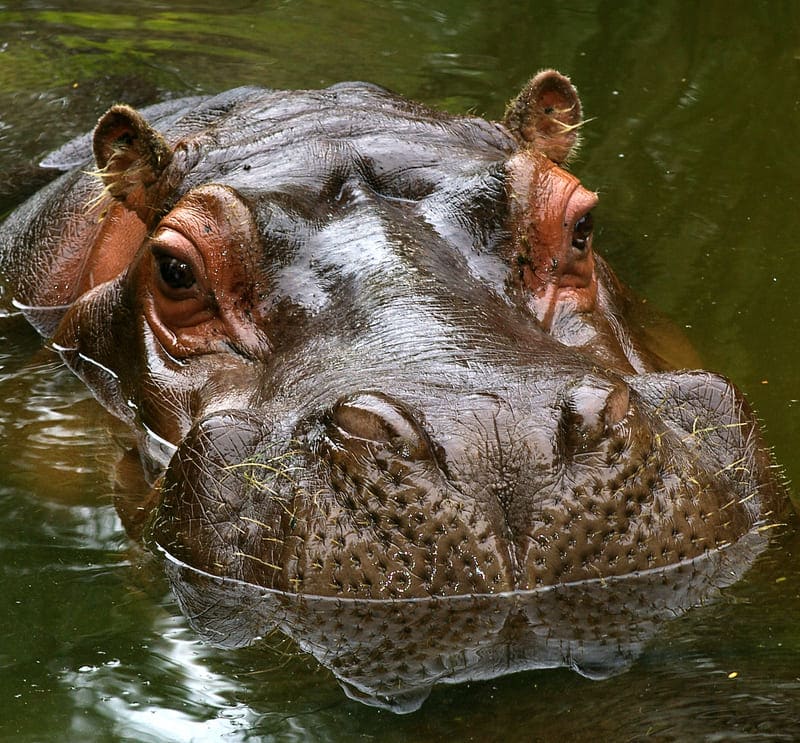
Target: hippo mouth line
x=723 y=557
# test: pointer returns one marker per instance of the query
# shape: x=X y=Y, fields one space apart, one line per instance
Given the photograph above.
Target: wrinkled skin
x=370 y=351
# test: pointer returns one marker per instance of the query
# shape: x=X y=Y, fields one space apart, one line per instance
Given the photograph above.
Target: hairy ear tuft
x=546 y=115
x=130 y=154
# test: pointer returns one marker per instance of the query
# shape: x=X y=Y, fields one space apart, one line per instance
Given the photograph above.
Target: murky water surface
x=694 y=151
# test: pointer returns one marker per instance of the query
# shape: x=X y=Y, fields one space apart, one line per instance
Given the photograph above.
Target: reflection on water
x=133 y=704
x=374 y=647
x=691 y=151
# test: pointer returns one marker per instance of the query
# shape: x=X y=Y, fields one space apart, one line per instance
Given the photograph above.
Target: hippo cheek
x=109 y=347
x=88 y=339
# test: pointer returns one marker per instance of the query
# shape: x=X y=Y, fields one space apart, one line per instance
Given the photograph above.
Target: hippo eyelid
x=168 y=239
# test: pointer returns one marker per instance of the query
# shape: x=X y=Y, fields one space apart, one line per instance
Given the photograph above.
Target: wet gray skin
x=371 y=353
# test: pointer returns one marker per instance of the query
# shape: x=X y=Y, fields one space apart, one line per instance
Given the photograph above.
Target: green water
x=693 y=149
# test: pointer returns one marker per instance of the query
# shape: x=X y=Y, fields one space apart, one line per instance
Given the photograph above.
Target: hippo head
x=371 y=352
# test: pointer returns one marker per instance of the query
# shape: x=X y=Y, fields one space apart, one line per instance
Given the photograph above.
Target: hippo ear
x=546 y=115
x=131 y=156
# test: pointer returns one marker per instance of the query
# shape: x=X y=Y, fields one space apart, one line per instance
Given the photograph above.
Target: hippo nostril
x=373 y=416
x=594 y=405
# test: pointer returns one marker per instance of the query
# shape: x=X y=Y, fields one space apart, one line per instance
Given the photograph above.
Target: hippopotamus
x=370 y=352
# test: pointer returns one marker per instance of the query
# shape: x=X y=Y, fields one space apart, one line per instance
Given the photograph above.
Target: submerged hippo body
x=371 y=353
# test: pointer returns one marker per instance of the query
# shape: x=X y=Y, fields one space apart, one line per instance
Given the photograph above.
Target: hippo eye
x=582 y=231
x=175 y=273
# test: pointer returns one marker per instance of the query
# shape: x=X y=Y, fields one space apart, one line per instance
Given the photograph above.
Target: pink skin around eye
x=210 y=231
x=552 y=202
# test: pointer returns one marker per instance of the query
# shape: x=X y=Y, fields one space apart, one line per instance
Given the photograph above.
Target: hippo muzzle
x=592 y=477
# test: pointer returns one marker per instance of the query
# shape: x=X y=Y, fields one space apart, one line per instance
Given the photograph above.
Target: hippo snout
x=375 y=496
